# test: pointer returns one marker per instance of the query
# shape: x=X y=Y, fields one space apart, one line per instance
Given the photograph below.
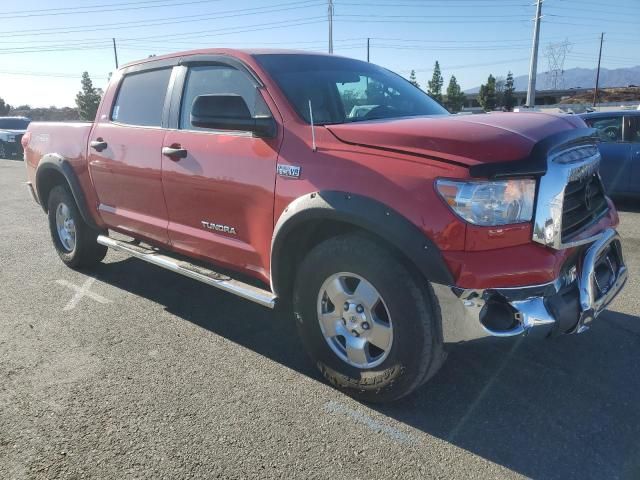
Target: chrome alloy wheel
x=354 y=320
x=65 y=227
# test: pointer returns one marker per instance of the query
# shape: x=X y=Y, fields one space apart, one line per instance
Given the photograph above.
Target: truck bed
x=67 y=139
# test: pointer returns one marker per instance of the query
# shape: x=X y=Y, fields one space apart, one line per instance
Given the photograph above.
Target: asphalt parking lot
x=130 y=371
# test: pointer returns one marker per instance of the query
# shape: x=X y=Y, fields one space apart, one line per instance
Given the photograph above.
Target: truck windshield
x=13 y=123
x=343 y=90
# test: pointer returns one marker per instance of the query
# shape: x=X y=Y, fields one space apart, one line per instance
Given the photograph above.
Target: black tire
x=87 y=251
x=416 y=351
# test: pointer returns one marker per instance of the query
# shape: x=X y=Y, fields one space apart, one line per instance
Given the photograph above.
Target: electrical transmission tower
x=556 y=54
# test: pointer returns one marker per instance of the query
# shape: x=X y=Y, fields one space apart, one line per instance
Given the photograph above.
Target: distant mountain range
x=580 y=78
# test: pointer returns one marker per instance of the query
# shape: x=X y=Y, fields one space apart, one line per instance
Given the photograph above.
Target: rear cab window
x=141 y=98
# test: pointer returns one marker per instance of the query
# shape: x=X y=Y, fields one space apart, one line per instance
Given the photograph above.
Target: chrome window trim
x=547 y=222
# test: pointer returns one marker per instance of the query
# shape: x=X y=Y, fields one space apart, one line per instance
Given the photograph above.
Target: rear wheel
x=74 y=240
x=367 y=321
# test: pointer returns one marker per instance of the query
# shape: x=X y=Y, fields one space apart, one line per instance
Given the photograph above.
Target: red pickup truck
x=393 y=229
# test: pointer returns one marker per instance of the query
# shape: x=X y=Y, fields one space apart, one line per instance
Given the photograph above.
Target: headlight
x=490 y=203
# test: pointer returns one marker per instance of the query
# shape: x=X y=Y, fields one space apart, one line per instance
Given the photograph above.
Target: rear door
x=220 y=196
x=125 y=158
x=615 y=168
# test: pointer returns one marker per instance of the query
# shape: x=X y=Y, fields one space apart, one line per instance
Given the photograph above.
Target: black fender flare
x=57 y=163
x=367 y=214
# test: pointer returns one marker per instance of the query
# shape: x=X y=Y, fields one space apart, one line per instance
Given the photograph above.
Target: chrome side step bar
x=204 y=275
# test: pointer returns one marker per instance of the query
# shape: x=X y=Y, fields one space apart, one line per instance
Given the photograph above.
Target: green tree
x=487 y=95
x=412 y=79
x=436 y=82
x=4 y=107
x=88 y=99
x=509 y=93
x=455 y=97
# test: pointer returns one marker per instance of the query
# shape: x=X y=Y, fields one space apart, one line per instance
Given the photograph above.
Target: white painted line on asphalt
x=483 y=393
x=369 y=422
x=83 y=291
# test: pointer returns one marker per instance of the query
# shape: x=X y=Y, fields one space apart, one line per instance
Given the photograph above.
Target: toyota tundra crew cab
x=332 y=186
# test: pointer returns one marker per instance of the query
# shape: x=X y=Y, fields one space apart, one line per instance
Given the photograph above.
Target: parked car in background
x=620 y=149
x=11 y=131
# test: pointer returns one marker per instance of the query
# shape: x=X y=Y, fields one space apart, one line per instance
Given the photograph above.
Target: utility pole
x=115 y=52
x=368 y=47
x=330 y=26
x=533 y=68
x=595 y=94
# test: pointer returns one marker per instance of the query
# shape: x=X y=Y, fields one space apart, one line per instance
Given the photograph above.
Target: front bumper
x=567 y=305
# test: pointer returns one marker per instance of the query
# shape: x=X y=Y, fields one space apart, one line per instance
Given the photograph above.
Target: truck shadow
x=557 y=409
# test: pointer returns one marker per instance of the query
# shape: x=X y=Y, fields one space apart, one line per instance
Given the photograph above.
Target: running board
x=204 y=275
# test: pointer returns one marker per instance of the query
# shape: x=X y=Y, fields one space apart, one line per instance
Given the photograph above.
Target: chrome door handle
x=174 y=153
x=98 y=145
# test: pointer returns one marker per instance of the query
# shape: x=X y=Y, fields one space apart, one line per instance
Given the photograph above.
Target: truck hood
x=463 y=139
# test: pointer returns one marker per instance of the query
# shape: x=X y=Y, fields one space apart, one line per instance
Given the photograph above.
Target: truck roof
x=225 y=51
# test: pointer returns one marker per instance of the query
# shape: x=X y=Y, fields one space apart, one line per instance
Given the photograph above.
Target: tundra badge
x=218 y=227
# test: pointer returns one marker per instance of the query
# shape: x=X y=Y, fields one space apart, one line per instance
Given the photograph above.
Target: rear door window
x=141 y=98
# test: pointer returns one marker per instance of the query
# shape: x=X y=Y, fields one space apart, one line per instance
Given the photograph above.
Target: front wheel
x=74 y=240
x=368 y=322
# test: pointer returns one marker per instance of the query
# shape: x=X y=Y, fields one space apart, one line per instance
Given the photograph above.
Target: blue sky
x=45 y=45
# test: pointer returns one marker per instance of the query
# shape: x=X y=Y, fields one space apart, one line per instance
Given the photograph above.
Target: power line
x=577 y=17
x=408 y=20
x=76 y=11
x=598 y=4
x=197 y=35
x=163 y=21
x=78 y=7
x=445 y=5
x=430 y=16
x=48 y=74
x=469 y=65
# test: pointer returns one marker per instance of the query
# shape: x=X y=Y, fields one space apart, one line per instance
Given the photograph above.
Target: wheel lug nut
x=359 y=309
x=346 y=305
x=355 y=333
x=365 y=325
x=344 y=322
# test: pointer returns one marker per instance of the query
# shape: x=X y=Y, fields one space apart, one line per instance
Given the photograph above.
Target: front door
x=220 y=195
x=125 y=158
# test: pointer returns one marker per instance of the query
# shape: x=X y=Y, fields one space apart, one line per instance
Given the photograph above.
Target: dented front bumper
x=567 y=305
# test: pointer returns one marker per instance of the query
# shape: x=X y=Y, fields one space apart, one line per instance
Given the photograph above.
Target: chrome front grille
x=584 y=204
x=570 y=198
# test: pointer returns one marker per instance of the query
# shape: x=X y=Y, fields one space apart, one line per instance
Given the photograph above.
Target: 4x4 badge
x=289 y=171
